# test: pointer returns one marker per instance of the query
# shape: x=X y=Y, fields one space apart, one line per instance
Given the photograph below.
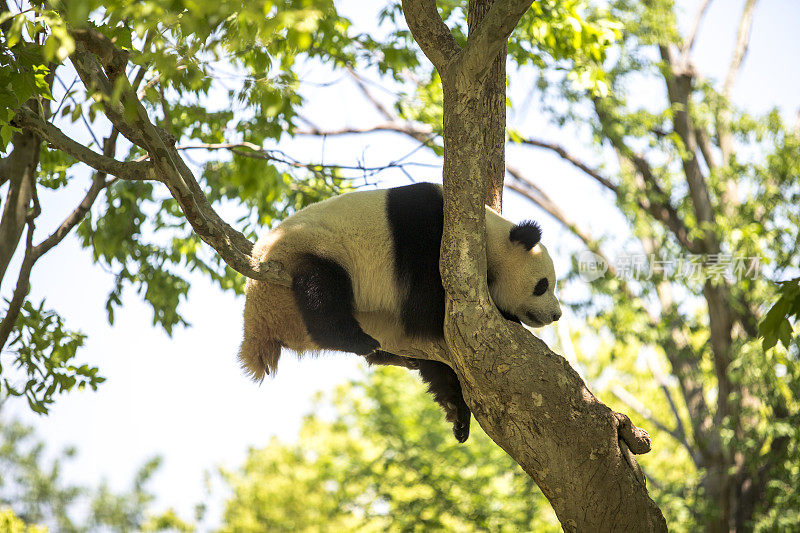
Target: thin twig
x=98 y=184
x=256 y=152
x=742 y=42
x=689 y=42
x=564 y=154
x=83 y=117
x=378 y=105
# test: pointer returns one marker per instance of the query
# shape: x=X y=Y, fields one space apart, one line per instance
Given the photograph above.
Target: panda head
x=522 y=282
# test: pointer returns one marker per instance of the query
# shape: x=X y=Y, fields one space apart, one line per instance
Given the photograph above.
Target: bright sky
x=185 y=398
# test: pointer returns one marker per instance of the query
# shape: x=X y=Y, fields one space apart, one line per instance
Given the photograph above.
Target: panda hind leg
x=446 y=389
x=323 y=293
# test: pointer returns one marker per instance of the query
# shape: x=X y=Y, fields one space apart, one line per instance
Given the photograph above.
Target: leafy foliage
x=384 y=460
x=776 y=326
x=44 y=356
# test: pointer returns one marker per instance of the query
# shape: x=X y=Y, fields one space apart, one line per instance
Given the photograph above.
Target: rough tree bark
x=527 y=398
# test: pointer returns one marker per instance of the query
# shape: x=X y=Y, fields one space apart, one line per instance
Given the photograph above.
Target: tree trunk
x=492 y=108
x=527 y=398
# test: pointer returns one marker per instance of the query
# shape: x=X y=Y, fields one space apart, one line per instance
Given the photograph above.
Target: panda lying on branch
x=365 y=272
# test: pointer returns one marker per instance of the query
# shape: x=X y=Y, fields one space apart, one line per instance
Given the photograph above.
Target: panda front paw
x=365 y=345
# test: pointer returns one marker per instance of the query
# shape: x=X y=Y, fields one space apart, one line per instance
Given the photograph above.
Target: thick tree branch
x=22 y=163
x=430 y=32
x=130 y=118
x=132 y=170
x=21 y=289
x=511 y=380
x=492 y=101
x=98 y=84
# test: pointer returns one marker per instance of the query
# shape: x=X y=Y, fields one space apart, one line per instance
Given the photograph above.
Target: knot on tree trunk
x=637 y=439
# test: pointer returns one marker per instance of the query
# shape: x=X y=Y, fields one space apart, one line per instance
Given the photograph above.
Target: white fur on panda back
x=353 y=230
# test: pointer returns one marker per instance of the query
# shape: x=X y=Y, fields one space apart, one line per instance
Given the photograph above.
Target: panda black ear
x=527 y=233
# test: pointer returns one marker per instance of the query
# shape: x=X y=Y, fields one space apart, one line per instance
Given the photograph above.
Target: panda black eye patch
x=541 y=287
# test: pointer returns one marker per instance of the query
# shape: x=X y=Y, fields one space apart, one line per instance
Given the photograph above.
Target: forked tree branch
x=430 y=32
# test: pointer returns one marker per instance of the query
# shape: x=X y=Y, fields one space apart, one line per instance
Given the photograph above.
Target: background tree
x=33 y=486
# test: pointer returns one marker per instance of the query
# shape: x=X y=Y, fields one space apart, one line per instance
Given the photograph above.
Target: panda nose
x=556 y=316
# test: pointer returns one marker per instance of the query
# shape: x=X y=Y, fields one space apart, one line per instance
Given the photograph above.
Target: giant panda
x=365 y=273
